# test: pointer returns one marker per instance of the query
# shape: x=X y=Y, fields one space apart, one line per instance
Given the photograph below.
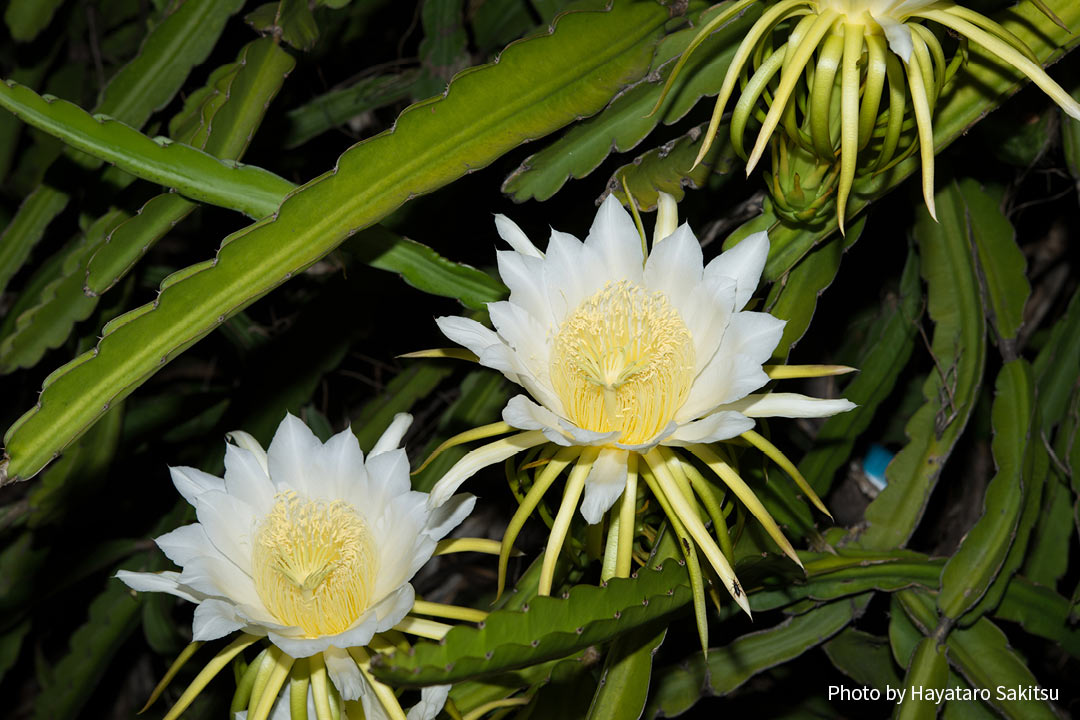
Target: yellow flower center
x=624 y=360
x=314 y=564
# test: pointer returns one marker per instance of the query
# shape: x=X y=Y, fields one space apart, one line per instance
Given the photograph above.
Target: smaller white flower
x=309 y=544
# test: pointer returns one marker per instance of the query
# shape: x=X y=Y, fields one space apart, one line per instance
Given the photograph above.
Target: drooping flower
x=629 y=357
x=890 y=69
x=312 y=546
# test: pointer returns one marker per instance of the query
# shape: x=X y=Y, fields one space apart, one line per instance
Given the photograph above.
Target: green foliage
x=543 y=629
x=252 y=191
x=979 y=558
x=441 y=142
x=959 y=354
x=680 y=687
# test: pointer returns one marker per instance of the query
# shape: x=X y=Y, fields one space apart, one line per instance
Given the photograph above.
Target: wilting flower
x=312 y=546
x=876 y=52
x=627 y=358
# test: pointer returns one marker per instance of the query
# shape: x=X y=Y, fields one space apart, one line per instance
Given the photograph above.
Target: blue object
x=877 y=459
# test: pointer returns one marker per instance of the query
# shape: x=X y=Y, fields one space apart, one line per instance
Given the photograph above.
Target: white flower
x=627 y=357
x=307 y=543
x=626 y=353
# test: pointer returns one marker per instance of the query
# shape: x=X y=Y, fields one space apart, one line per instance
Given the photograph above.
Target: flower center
x=314 y=564
x=624 y=360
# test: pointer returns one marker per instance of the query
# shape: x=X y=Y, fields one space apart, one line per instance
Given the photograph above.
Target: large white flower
x=626 y=353
x=624 y=356
x=307 y=543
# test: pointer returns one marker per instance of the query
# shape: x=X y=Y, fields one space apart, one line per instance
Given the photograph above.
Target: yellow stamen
x=624 y=360
x=314 y=564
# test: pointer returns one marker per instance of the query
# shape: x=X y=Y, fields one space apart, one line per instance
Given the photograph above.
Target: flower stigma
x=314 y=564
x=623 y=360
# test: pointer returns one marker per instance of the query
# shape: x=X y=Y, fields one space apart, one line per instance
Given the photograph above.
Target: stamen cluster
x=623 y=360
x=314 y=564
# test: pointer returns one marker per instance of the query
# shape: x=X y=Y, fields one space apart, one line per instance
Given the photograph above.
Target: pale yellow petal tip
x=788 y=372
x=740 y=598
x=453 y=353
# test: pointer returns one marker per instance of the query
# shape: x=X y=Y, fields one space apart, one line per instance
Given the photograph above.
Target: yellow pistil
x=313 y=564
x=623 y=360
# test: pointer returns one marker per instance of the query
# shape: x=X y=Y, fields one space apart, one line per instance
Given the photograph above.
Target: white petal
x=388 y=475
x=674 y=268
x=615 y=240
x=604 y=485
x=393 y=608
x=667 y=217
x=214 y=619
x=340 y=466
x=191 y=482
x=391 y=437
x=652 y=442
x=432 y=699
x=528 y=338
x=718 y=426
x=735 y=369
x=292 y=453
x=525 y=278
x=563 y=270
x=403 y=547
x=250 y=444
x=166 y=582
x=744 y=264
x=500 y=357
x=246 y=480
x=515 y=237
x=522 y=413
x=373 y=709
x=296 y=645
x=753 y=335
x=217 y=576
x=790 y=405
x=899 y=36
x=581 y=436
x=712 y=306
x=449 y=515
x=299 y=646
x=184 y=543
x=228 y=523
x=343 y=672
x=478 y=459
x=468 y=333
